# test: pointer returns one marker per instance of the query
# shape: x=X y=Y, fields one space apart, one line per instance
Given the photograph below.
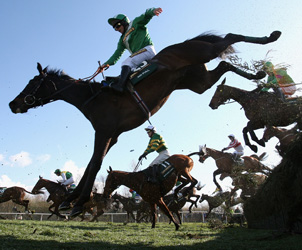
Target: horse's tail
x=211 y=38
x=195 y=153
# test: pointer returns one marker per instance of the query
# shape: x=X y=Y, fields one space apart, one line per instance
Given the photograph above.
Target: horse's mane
x=212 y=38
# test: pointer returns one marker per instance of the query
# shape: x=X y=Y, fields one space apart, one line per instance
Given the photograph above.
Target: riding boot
x=152 y=178
x=126 y=71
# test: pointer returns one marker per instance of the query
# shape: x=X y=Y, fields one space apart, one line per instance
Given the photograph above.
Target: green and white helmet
x=118 y=18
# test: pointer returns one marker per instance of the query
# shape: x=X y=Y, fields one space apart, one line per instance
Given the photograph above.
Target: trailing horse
x=179 y=66
x=17 y=195
x=152 y=192
x=261 y=109
x=227 y=166
x=58 y=193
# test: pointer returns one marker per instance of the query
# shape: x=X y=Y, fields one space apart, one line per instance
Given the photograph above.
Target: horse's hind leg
x=234 y=38
x=224 y=67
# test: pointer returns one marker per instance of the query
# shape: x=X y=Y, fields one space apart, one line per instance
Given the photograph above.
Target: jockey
x=279 y=80
x=156 y=143
x=67 y=178
x=136 y=39
x=236 y=145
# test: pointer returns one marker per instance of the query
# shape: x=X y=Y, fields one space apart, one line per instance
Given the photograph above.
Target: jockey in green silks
x=279 y=80
x=136 y=39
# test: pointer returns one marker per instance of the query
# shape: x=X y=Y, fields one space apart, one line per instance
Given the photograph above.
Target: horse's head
x=38 y=186
x=39 y=91
x=203 y=156
x=220 y=96
x=268 y=133
x=110 y=184
x=203 y=197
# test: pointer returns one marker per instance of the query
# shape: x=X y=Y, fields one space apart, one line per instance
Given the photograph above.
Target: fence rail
x=185 y=216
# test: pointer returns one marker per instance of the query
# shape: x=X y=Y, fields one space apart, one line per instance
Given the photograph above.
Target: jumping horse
x=180 y=66
x=17 y=195
x=261 y=109
x=227 y=166
x=153 y=192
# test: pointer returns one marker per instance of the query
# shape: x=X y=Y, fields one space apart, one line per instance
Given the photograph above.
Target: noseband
x=30 y=98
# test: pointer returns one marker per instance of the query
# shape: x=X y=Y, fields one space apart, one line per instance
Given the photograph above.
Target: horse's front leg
x=153 y=213
x=101 y=147
x=167 y=212
x=247 y=141
x=216 y=172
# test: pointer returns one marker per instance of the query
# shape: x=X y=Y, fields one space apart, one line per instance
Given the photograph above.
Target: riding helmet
x=118 y=18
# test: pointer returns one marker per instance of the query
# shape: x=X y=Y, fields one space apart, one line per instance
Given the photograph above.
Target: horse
x=57 y=194
x=17 y=195
x=142 y=208
x=249 y=184
x=285 y=136
x=153 y=192
x=215 y=201
x=227 y=166
x=176 y=204
x=179 y=66
x=261 y=109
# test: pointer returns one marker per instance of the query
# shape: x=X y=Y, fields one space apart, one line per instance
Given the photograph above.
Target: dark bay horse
x=17 y=195
x=227 y=166
x=130 y=206
x=285 y=136
x=151 y=192
x=180 y=66
x=261 y=109
x=58 y=193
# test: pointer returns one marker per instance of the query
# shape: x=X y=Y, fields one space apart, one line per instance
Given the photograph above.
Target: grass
x=45 y=235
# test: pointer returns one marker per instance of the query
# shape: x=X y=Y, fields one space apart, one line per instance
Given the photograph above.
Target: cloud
x=43 y=158
x=5 y=181
x=21 y=159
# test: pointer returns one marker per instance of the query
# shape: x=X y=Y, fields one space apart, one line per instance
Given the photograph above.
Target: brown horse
x=261 y=108
x=285 y=136
x=180 y=66
x=16 y=194
x=151 y=192
x=227 y=166
x=58 y=193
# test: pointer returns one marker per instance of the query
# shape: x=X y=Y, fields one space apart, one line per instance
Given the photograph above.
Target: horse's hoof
x=260 y=75
x=76 y=211
x=176 y=227
x=261 y=143
x=274 y=36
x=254 y=148
x=65 y=206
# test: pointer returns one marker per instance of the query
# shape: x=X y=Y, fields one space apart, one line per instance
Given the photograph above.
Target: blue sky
x=74 y=35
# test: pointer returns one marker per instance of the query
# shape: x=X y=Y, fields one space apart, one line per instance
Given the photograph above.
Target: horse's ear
x=223 y=82
x=40 y=177
x=39 y=67
x=110 y=169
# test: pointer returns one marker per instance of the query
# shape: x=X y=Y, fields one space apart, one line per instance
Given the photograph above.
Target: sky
x=74 y=35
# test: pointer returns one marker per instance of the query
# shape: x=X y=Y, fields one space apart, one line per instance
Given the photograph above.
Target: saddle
x=162 y=171
x=141 y=72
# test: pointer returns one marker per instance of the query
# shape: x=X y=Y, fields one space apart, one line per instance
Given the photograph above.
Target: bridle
x=30 y=97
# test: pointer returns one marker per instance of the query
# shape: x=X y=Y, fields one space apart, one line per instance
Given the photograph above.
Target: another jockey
x=279 y=80
x=135 y=196
x=156 y=143
x=67 y=177
x=236 y=145
x=136 y=39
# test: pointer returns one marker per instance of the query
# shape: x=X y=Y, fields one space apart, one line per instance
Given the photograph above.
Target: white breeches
x=145 y=54
x=68 y=182
x=163 y=155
